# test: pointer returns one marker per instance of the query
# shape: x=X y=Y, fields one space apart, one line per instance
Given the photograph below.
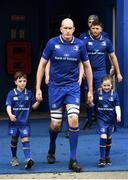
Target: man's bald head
x=67 y=21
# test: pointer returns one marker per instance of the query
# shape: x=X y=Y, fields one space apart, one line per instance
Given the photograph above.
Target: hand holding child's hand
x=39 y=95
x=12 y=118
x=118 y=119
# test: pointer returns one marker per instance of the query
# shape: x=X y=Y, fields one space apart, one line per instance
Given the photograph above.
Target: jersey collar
x=99 y=38
x=101 y=91
x=63 y=41
x=16 y=91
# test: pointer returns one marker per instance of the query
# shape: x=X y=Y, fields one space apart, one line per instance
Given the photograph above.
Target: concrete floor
x=82 y=175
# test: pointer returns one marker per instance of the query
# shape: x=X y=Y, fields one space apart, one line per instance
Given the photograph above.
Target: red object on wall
x=19 y=55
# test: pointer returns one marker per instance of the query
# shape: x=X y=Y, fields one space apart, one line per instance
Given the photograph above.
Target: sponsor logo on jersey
x=66 y=55
x=105 y=105
x=76 y=47
x=111 y=99
x=85 y=37
x=57 y=46
x=26 y=98
x=90 y=43
x=103 y=43
x=15 y=98
x=100 y=98
x=65 y=58
x=21 y=109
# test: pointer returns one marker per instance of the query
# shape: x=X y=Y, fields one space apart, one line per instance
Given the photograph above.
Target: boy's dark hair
x=19 y=74
x=96 y=22
x=106 y=77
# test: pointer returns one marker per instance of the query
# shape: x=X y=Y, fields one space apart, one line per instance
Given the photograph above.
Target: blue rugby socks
x=73 y=140
x=13 y=148
x=53 y=136
x=108 y=147
x=103 y=143
x=26 y=149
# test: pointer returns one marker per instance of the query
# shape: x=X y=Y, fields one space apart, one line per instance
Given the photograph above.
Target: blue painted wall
x=38 y=15
x=122 y=53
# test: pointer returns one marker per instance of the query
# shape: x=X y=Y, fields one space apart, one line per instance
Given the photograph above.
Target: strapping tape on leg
x=73 y=111
x=56 y=115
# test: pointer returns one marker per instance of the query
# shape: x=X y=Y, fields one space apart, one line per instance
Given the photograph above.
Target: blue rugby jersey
x=20 y=102
x=97 y=49
x=105 y=103
x=65 y=57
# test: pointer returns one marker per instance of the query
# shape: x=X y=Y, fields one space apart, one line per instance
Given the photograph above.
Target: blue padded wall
x=122 y=53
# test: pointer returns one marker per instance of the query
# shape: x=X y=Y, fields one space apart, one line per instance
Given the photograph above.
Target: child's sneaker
x=73 y=165
x=51 y=158
x=102 y=163
x=28 y=164
x=108 y=161
x=14 y=161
